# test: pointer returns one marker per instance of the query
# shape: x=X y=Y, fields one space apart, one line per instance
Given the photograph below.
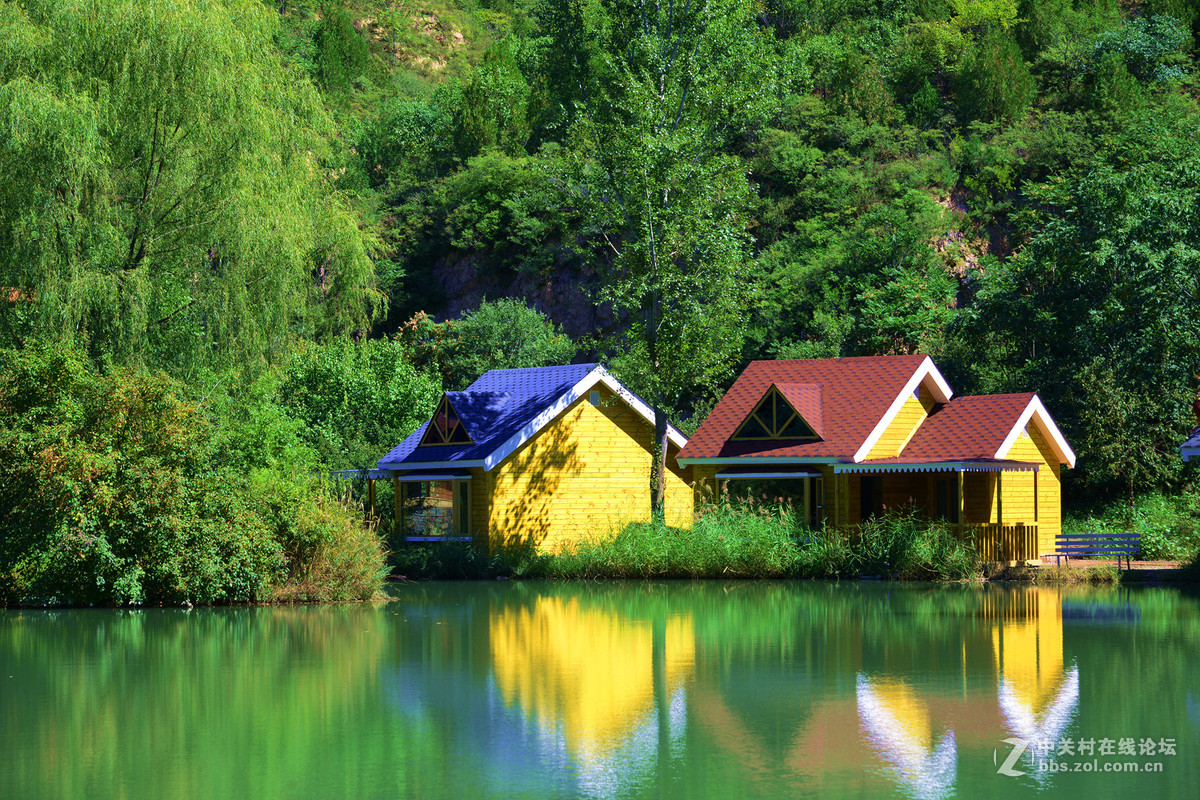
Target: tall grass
x=1169 y=526
x=727 y=541
x=901 y=545
x=331 y=556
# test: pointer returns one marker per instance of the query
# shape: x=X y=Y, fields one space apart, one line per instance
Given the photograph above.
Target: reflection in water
x=1035 y=696
x=898 y=725
x=680 y=690
x=593 y=683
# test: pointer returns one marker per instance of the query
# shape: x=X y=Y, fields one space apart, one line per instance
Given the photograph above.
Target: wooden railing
x=1012 y=541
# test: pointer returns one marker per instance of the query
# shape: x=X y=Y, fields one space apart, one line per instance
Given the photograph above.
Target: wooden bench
x=1097 y=544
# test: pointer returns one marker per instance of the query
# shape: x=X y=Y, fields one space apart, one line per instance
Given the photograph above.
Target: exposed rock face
x=564 y=294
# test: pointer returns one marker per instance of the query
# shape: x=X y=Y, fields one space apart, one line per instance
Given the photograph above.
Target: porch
x=993 y=503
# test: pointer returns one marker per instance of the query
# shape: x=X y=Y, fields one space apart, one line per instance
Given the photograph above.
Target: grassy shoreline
x=757 y=544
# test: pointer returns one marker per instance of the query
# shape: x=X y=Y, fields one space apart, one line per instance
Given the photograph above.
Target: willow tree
x=163 y=197
x=660 y=90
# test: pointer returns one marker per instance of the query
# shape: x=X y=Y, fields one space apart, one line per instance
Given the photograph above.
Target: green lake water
x=696 y=690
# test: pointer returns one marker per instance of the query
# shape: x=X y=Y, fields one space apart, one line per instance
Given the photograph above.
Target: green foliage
x=495 y=109
x=1168 y=526
x=901 y=545
x=723 y=543
x=1098 y=311
x=409 y=141
x=509 y=206
x=660 y=89
x=163 y=197
x=341 y=51
x=500 y=334
x=116 y=489
x=109 y=497
x=994 y=81
x=356 y=399
x=1151 y=48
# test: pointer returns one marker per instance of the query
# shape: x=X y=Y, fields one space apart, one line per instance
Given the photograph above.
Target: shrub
x=1168 y=526
x=113 y=490
x=728 y=541
x=995 y=82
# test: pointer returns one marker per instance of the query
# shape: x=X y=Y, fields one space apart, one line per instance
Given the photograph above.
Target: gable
x=445 y=427
x=776 y=415
x=904 y=424
x=1036 y=415
x=504 y=409
x=842 y=400
x=909 y=408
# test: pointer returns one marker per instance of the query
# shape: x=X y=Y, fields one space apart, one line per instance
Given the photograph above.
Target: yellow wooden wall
x=901 y=430
x=1017 y=488
x=586 y=474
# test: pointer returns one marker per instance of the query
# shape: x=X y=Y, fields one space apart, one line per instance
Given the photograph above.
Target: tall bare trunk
x=659 y=474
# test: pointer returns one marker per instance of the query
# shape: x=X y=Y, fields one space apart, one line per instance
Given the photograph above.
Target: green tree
x=660 y=89
x=994 y=81
x=342 y=52
x=1099 y=311
x=505 y=334
x=356 y=399
x=163 y=196
x=500 y=334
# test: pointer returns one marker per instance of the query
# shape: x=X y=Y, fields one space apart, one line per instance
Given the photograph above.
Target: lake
x=664 y=690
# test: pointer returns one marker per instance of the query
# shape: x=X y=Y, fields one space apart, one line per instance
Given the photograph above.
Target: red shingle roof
x=854 y=395
x=966 y=428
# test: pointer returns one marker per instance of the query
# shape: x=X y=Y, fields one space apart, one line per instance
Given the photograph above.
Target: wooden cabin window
x=774 y=418
x=445 y=427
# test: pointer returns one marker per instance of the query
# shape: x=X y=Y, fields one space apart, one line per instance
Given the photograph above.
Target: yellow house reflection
x=1037 y=696
x=899 y=726
x=917 y=732
x=588 y=673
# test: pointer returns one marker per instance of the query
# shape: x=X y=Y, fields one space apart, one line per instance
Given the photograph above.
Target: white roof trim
x=1189 y=452
x=1058 y=443
x=598 y=375
x=744 y=461
x=938 y=387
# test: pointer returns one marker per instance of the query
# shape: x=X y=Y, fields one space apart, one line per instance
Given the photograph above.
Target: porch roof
x=767 y=471
x=901 y=464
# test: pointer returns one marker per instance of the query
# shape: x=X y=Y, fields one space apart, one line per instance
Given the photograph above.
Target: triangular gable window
x=774 y=418
x=445 y=427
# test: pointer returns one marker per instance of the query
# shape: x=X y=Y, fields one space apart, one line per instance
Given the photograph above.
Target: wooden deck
x=1011 y=543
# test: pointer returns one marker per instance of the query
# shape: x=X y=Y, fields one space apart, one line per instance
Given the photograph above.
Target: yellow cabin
x=856 y=436
x=539 y=457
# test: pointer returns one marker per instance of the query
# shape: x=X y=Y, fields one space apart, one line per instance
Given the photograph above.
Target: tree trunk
x=658 y=474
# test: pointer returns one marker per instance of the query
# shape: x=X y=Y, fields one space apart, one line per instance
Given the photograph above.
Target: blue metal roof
x=492 y=409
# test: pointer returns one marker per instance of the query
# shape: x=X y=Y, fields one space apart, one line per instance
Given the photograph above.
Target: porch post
x=398 y=509
x=371 y=498
x=1035 y=496
x=807 y=500
x=959 y=500
x=1000 y=498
